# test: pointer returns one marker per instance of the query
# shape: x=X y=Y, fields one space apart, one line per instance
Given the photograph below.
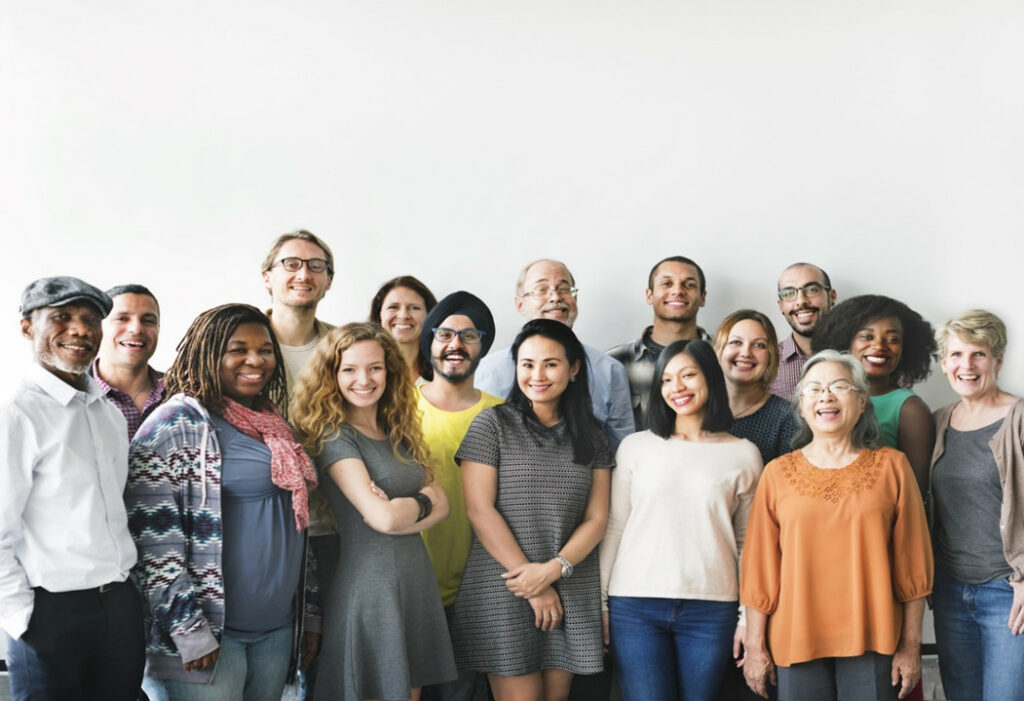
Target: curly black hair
x=837 y=329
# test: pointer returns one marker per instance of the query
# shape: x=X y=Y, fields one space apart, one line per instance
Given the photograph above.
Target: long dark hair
x=196 y=369
x=574 y=404
x=717 y=416
x=429 y=300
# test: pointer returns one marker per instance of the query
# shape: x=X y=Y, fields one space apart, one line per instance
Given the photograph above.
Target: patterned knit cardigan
x=174 y=514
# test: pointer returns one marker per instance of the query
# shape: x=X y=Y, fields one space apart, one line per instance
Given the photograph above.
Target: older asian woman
x=837 y=560
x=977 y=516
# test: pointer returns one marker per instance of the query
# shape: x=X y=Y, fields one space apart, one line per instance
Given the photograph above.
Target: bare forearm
x=497 y=538
x=913 y=615
x=584 y=539
x=439 y=512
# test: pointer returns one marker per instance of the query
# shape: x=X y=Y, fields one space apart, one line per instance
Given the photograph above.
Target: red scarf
x=290 y=467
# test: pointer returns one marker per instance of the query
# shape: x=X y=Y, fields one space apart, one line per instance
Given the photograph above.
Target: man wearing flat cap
x=456 y=335
x=72 y=617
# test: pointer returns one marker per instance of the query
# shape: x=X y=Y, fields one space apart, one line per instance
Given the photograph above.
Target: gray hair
x=865 y=433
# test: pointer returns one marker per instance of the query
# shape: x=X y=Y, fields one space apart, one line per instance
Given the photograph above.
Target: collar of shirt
x=60 y=390
x=788 y=348
x=156 y=378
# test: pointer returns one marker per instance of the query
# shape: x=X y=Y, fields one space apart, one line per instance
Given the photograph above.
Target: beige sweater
x=678 y=517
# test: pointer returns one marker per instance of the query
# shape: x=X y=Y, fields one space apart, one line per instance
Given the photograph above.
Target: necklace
x=750 y=408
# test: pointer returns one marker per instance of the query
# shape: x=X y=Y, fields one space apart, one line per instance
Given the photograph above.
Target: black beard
x=455 y=378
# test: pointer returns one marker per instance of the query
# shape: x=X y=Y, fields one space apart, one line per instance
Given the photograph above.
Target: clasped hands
x=532 y=581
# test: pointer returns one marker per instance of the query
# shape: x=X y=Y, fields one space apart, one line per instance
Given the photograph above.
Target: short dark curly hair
x=838 y=328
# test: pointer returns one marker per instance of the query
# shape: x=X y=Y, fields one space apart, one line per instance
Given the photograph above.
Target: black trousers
x=80 y=646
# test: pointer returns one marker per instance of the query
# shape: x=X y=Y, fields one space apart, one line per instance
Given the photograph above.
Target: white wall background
x=169 y=143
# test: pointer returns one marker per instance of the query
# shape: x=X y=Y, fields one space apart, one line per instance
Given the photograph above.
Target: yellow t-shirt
x=448 y=542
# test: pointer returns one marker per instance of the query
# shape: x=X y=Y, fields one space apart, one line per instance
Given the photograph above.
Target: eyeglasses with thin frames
x=544 y=291
x=811 y=289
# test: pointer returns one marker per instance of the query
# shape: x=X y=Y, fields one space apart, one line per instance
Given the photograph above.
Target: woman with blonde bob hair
x=355 y=412
x=976 y=511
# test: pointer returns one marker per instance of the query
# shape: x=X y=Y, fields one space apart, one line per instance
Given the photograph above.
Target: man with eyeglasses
x=546 y=289
x=676 y=291
x=457 y=334
x=297 y=272
x=805 y=296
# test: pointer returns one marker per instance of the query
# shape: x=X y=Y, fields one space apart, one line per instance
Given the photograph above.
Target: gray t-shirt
x=262 y=556
x=968 y=498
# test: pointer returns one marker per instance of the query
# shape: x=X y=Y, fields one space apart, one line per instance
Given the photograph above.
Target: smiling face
x=831 y=413
x=971 y=369
x=301 y=289
x=131 y=330
x=879 y=347
x=676 y=294
x=248 y=363
x=402 y=314
x=558 y=306
x=456 y=360
x=65 y=339
x=803 y=312
x=362 y=374
x=684 y=387
x=543 y=371
x=745 y=357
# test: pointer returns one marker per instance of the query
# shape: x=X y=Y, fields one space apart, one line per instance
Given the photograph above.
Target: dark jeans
x=866 y=677
x=80 y=646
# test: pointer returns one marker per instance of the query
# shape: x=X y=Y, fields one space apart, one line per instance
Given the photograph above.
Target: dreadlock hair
x=838 y=328
x=413 y=284
x=196 y=369
x=318 y=408
x=574 y=403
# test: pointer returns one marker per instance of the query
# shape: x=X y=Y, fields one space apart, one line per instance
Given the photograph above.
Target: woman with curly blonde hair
x=355 y=412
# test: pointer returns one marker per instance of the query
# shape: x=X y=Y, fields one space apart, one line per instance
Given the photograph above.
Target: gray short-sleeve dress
x=542 y=495
x=384 y=626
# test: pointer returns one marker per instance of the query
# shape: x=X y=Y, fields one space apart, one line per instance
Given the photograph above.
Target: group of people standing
x=402 y=512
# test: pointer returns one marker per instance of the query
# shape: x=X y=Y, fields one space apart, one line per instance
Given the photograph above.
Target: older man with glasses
x=805 y=296
x=546 y=289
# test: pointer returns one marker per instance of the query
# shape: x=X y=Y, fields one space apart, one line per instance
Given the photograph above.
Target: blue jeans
x=250 y=667
x=667 y=649
x=978 y=657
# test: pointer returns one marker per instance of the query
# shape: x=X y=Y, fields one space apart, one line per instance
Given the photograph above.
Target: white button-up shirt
x=63 y=467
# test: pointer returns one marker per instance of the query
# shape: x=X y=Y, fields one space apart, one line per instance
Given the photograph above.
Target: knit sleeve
x=481 y=443
x=618 y=512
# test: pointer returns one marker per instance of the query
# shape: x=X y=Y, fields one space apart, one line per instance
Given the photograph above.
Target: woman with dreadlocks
x=218 y=505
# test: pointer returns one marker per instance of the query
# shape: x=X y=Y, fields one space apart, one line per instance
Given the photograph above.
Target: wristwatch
x=566 y=566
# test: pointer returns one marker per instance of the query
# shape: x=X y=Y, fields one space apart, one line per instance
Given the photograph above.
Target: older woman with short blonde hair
x=977 y=516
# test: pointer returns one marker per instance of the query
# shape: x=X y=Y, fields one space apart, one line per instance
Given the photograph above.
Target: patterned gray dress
x=384 y=627
x=542 y=495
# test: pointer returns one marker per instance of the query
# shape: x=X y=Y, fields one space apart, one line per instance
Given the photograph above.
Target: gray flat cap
x=58 y=291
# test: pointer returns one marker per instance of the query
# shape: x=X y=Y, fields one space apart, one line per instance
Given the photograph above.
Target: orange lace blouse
x=832 y=555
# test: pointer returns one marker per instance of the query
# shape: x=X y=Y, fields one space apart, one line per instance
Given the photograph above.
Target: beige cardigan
x=1008 y=449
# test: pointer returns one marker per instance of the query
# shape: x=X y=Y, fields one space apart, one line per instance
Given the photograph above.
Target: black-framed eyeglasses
x=811 y=289
x=544 y=291
x=837 y=388
x=313 y=265
x=468 y=336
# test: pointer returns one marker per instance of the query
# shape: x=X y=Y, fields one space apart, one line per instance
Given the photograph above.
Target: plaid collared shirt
x=125 y=404
x=639 y=358
x=791 y=362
